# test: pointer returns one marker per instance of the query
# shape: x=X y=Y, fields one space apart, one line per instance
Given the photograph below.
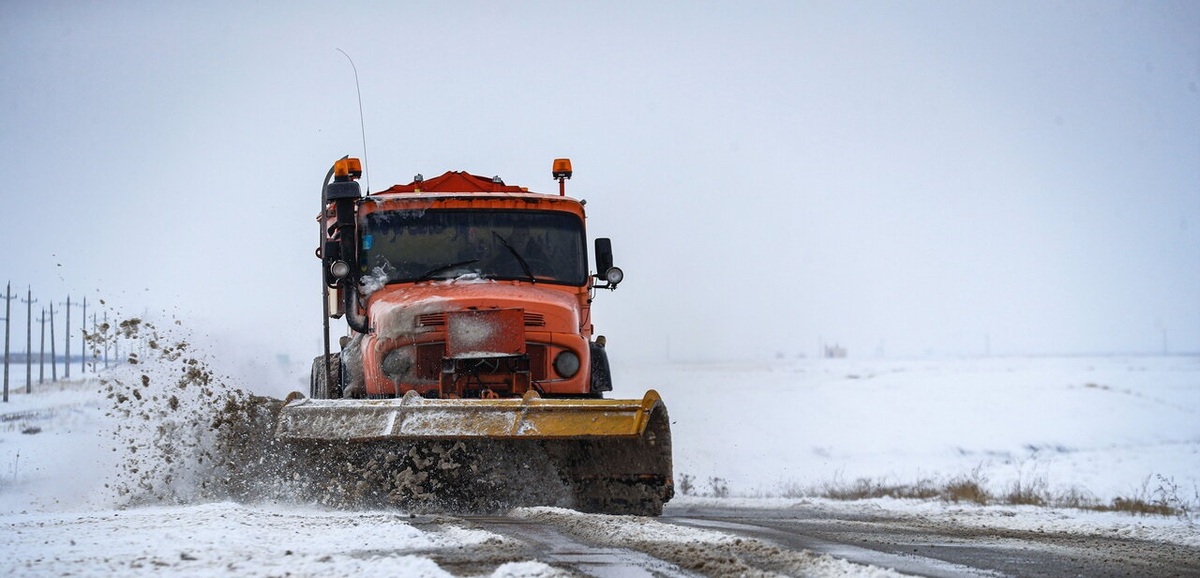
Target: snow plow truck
x=469 y=376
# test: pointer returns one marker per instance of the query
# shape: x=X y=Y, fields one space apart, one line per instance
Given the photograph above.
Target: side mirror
x=604 y=265
x=604 y=256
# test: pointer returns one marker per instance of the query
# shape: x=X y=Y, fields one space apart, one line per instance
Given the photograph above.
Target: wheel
x=601 y=378
x=318 y=387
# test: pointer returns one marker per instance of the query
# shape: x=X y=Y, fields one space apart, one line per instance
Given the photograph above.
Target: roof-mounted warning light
x=347 y=169
x=561 y=171
x=345 y=172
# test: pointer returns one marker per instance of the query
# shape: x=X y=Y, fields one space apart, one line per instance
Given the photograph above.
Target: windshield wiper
x=520 y=259
x=430 y=273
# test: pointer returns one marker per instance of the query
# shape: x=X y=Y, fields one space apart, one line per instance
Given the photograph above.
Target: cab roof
x=455 y=182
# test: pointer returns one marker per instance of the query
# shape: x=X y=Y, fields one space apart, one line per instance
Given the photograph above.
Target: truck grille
x=428 y=365
x=439 y=319
x=431 y=320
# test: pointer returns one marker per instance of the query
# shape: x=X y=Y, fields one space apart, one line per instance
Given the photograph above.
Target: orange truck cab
x=461 y=286
x=470 y=343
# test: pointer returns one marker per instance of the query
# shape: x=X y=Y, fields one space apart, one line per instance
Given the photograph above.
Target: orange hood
x=395 y=311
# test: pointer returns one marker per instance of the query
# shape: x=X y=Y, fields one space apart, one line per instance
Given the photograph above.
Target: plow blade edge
x=413 y=418
x=609 y=456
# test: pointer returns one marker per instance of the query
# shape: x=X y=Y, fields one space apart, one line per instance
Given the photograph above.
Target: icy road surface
x=231 y=539
x=912 y=538
x=696 y=538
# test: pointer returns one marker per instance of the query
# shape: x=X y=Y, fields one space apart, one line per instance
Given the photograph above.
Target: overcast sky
x=902 y=178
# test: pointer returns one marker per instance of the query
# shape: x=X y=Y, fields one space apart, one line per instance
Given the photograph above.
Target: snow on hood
x=398 y=318
x=378 y=278
x=394 y=311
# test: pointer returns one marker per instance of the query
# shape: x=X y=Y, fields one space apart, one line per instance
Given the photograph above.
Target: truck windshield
x=541 y=246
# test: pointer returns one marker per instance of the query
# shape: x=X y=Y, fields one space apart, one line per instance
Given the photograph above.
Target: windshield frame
x=531 y=245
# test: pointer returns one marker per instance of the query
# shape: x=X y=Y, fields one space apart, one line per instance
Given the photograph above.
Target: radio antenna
x=361 y=123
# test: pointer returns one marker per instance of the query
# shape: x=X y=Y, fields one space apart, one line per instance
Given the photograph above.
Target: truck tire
x=318 y=387
x=601 y=377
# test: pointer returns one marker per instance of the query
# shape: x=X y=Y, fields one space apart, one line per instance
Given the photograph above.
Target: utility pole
x=83 y=337
x=53 y=353
x=8 y=297
x=106 y=341
x=67 y=373
x=29 y=301
x=116 y=344
x=42 y=354
x=95 y=353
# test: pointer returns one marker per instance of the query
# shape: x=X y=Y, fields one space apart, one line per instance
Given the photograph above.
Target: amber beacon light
x=561 y=171
x=348 y=168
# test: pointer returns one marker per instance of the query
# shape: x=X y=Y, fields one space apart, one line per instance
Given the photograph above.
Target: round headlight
x=340 y=269
x=566 y=364
x=614 y=275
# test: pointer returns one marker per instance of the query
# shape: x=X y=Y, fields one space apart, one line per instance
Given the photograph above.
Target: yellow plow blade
x=413 y=417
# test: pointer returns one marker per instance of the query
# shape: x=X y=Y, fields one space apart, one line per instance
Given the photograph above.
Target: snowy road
x=230 y=539
x=697 y=538
x=943 y=547
x=551 y=545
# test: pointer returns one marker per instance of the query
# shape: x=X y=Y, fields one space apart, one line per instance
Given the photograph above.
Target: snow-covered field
x=1108 y=426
